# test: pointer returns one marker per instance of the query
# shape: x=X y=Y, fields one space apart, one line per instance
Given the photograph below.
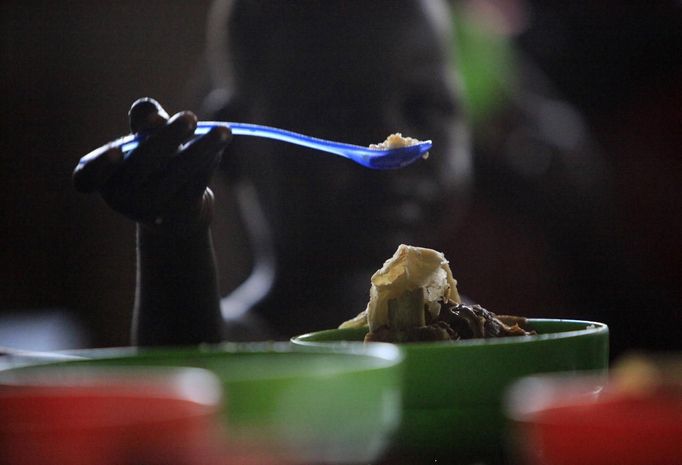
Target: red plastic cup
x=590 y=421
x=144 y=416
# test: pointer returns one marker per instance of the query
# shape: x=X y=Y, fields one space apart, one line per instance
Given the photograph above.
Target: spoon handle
x=131 y=142
x=284 y=135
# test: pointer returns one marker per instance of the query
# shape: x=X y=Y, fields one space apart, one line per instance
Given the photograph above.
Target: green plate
x=324 y=405
x=452 y=391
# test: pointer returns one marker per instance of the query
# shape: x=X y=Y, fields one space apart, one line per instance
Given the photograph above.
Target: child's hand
x=162 y=184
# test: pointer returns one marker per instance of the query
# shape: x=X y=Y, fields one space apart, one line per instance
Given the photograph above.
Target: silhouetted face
x=353 y=71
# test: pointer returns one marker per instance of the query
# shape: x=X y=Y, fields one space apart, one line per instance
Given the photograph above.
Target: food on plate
x=413 y=297
x=642 y=374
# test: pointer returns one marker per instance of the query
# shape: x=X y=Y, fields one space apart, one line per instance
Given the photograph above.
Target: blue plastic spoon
x=382 y=159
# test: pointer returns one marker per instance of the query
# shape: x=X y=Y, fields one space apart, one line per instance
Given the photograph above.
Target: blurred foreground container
x=109 y=417
x=632 y=416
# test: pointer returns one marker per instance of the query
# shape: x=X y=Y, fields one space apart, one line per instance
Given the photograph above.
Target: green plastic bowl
x=326 y=405
x=453 y=392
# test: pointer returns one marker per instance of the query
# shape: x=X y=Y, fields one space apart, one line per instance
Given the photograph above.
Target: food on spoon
x=397 y=141
x=414 y=297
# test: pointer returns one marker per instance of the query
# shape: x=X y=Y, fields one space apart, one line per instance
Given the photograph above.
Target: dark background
x=70 y=70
